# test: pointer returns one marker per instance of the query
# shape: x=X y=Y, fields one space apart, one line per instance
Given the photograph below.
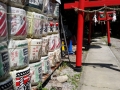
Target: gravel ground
x=73 y=77
x=70 y=84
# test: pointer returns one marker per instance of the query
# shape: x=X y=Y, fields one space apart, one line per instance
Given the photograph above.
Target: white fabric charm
x=114 y=17
x=95 y=19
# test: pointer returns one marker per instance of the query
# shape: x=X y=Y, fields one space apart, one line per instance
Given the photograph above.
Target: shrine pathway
x=101 y=68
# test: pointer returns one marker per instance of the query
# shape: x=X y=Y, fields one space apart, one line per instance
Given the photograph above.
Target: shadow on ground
x=102 y=65
x=95 y=46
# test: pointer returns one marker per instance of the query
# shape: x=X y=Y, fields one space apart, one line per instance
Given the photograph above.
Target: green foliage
x=63 y=66
x=74 y=80
x=53 y=88
x=39 y=87
x=44 y=89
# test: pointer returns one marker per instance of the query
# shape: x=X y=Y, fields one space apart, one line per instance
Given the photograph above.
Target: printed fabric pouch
x=4 y=61
x=3 y=22
x=18 y=52
x=17 y=23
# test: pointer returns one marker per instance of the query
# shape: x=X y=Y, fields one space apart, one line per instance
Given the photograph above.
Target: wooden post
x=80 y=36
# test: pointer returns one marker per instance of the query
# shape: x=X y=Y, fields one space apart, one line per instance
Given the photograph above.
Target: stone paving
x=101 y=70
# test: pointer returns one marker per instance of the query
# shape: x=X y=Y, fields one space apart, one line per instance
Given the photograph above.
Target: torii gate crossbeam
x=92 y=3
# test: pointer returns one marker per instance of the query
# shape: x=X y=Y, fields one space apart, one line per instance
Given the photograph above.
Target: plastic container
x=45 y=44
x=45 y=65
x=34 y=49
x=57 y=41
x=4 y=1
x=18 y=52
x=45 y=26
x=35 y=25
x=16 y=3
x=7 y=84
x=35 y=3
x=50 y=26
x=45 y=6
x=3 y=22
x=21 y=79
x=51 y=57
x=55 y=26
x=50 y=9
x=56 y=10
x=51 y=43
x=57 y=53
x=36 y=73
x=4 y=61
x=17 y=24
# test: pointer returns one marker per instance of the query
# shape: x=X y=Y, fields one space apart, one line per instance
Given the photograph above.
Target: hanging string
x=114 y=18
x=97 y=10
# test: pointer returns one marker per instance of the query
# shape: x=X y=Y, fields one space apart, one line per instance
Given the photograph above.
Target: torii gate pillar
x=80 y=36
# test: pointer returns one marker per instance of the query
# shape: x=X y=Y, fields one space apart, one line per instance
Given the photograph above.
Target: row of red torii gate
x=82 y=4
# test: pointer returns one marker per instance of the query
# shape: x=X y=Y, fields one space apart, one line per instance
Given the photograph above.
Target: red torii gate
x=81 y=4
